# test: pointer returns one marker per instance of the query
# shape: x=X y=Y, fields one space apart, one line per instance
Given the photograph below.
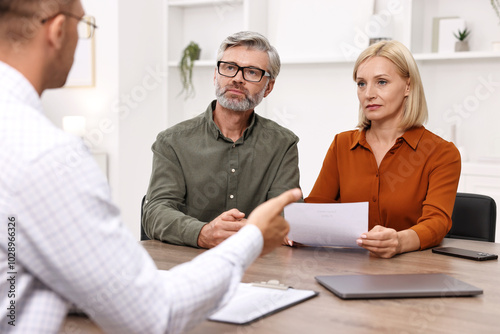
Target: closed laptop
x=397 y=286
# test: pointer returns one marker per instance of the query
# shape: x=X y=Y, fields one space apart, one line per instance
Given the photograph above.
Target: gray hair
x=255 y=41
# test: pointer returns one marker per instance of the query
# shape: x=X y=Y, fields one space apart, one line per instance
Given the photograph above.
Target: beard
x=249 y=102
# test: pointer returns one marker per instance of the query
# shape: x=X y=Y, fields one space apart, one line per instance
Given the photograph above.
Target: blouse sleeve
x=437 y=208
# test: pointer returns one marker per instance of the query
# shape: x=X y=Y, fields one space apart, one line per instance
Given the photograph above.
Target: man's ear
x=269 y=87
x=56 y=32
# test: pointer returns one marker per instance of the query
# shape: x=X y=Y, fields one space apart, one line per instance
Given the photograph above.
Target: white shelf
x=199 y=3
x=472 y=55
x=457 y=55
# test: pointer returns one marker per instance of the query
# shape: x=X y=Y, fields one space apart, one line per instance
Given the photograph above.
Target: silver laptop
x=397 y=286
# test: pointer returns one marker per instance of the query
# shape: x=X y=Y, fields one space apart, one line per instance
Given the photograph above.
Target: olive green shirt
x=199 y=174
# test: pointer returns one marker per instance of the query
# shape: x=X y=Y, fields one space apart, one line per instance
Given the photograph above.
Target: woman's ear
x=407 y=90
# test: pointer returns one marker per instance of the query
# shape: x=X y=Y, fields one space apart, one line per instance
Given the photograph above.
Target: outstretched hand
x=267 y=217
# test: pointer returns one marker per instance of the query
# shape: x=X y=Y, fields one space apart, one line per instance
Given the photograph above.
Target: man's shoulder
x=186 y=127
x=28 y=132
x=272 y=126
x=29 y=140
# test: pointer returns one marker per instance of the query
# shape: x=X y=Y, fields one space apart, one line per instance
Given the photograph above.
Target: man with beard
x=211 y=171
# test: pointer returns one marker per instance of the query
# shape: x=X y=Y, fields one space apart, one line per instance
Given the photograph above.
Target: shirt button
x=231 y=196
x=234 y=145
x=233 y=170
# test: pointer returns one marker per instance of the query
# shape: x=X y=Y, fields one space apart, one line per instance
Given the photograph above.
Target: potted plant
x=190 y=53
x=496 y=7
x=462 y=44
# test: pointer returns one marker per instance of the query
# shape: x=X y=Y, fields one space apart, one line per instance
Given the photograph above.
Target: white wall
x=95 y=103
x=142 y=89
x=129 y=96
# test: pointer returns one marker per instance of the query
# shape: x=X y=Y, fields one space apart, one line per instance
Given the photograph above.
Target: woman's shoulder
x=345 y=141
x=429 y=135
x=350 y=136
x=440 y=145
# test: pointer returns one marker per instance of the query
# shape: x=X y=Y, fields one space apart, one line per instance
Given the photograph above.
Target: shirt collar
x=250 y=127
x=214 y=129
x=359 y=139
x=15 y=86
x=209 y=117
x=411 y=137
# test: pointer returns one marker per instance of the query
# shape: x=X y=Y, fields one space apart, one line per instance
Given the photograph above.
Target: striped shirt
x=62 y=242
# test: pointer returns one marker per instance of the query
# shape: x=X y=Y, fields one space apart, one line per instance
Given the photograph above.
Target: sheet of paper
x=251 y=303
x=327 y=224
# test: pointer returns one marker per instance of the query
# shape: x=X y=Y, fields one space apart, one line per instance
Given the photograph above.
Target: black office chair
x=144 y=236
x=474 y=218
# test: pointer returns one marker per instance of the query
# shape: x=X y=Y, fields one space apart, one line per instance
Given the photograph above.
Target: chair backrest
x=473 y=218
x=144 y=236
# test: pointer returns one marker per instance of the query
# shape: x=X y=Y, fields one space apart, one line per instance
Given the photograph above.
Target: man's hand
x=267 y=217
x=386 y=242
x=221 y=228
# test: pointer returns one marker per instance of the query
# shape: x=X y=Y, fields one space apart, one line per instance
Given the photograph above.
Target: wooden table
x=327 y=313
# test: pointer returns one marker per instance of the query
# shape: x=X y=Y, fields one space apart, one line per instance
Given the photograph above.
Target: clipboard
x=253 y=301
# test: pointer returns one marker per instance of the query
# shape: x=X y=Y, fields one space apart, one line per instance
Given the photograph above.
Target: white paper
x=327 y=224
x=250 y=303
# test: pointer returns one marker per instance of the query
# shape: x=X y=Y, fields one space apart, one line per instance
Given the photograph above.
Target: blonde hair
x=415 y=106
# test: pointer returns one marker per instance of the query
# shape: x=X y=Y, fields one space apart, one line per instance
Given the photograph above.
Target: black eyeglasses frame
x=83 y=19
x=241 y=68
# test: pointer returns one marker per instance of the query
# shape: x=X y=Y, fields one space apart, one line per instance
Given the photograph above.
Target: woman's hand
x=387 y=242
x=287 y=242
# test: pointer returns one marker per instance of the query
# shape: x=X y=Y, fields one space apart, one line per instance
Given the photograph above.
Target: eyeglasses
x=252 y=74
x=86 y=24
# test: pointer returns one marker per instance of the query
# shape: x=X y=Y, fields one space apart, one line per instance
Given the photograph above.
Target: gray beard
x=248 y=103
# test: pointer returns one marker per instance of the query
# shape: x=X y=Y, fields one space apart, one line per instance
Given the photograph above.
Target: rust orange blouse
x=414 y=187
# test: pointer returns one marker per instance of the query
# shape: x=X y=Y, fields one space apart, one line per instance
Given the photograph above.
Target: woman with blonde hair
x=408 y=175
